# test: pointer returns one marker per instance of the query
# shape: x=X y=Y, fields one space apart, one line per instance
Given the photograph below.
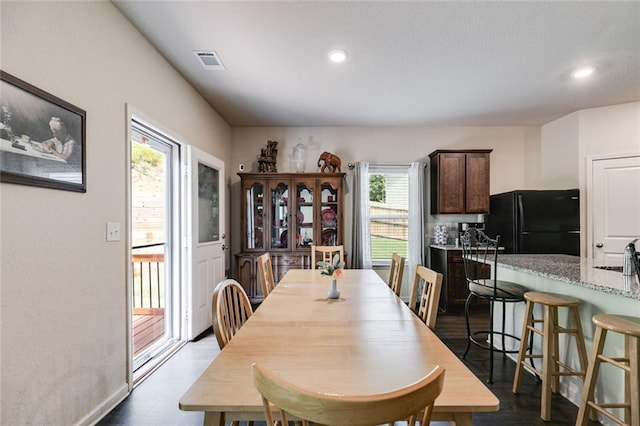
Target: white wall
x=514 y=161
x=604 y=131
x=62 y=299
x=559 y=153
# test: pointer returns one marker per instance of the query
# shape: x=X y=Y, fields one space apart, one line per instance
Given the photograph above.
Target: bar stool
x=630 y=327
x=552 y=366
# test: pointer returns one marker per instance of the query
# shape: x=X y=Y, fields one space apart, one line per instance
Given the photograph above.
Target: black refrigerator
x=535 y=222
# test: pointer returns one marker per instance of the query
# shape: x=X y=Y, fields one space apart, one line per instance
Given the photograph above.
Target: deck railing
x=148 y=276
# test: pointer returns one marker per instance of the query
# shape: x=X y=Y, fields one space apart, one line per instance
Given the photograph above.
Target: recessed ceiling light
x=583 y=72
x=338 y=55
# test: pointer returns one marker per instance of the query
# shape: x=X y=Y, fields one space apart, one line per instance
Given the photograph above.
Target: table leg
x=212 y=418
x=462 y=419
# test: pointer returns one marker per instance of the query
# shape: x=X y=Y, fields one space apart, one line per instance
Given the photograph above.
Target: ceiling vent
x=210 y=60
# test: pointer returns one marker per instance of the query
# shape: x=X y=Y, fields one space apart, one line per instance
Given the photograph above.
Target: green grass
x=383 y=248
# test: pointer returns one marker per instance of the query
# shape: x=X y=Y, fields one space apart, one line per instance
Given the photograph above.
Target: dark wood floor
x=522 y=409
x=155 y=401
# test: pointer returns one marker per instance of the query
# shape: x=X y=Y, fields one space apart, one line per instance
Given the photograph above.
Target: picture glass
x=41 y=138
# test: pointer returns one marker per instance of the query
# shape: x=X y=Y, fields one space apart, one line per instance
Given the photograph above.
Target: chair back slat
x=396 y=271
x=266 y=274
x=428 y=285
x=230 y=308
x=326 y=254
x=340 y=410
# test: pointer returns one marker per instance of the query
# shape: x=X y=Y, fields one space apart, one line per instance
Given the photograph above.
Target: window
x=388 y=212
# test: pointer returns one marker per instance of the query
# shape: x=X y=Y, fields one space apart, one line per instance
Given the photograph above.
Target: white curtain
x=361 y=232
x=416 y=222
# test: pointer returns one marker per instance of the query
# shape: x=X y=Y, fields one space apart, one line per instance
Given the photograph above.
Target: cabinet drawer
x=287 y=260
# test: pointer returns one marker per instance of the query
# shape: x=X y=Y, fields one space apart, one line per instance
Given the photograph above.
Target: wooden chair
x=327 y=253
x=395 y=273
x=231 y=309
x=266 y=274
x=294 y=402
x=425 y=295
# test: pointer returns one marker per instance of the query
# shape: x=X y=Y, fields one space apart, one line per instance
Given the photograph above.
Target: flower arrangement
x=331 y=268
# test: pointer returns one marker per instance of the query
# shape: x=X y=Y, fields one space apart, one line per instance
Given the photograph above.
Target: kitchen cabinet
x=285 y=214
x=448 y=261
x=459 y=181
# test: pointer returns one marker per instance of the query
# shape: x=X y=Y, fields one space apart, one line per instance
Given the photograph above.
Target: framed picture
x=42 y=138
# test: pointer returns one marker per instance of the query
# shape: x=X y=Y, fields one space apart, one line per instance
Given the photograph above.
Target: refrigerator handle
x=519 y=221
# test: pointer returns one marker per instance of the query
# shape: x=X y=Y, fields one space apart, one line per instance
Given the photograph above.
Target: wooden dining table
x=366 y=342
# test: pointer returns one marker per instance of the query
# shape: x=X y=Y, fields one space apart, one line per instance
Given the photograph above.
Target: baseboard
x=95 y=415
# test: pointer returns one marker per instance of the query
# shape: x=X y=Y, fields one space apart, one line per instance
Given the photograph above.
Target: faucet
x=629 y=258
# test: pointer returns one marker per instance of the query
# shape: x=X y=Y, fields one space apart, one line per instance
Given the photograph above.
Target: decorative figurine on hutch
x=329 y=161
x=267 y=160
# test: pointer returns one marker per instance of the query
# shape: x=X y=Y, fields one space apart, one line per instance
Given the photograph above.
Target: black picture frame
x=42 y=138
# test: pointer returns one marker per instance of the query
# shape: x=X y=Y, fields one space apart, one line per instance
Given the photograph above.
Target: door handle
x=599 y=245
x=224 y=247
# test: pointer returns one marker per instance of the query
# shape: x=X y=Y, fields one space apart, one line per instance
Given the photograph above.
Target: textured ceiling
x=410 y=63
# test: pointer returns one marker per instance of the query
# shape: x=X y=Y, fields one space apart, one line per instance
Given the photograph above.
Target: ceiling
x=410 y=63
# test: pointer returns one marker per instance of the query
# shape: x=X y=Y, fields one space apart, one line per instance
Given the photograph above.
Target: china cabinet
x=285 y=214
x=460 y=181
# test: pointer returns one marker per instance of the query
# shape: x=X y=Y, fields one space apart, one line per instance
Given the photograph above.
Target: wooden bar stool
x=552 y=366
x=630 y=327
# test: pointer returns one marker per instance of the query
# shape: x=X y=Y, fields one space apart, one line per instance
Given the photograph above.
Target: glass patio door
x=155 y=187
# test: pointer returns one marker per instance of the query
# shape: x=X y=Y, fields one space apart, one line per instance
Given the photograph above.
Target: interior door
x=615 y=208
x=207 y=237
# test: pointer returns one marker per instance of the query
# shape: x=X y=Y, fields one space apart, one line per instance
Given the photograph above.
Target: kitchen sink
x=610 y=268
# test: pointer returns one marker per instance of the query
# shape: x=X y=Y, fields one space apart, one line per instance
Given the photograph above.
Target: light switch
x=113 y=231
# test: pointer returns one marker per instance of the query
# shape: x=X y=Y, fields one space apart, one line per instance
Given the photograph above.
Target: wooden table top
x=368 y=341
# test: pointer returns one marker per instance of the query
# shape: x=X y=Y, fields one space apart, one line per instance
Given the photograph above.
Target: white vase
x=333 y=292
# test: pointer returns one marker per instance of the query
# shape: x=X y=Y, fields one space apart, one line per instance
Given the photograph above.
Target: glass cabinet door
x=255 y=216
x=280 y=216
x=329 y=215
x=304 y=214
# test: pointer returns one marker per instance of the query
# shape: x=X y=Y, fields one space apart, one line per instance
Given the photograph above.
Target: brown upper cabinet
x=460 y=181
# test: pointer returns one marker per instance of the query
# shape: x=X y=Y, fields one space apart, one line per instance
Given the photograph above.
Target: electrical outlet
x=241 y=167
x=113 y=231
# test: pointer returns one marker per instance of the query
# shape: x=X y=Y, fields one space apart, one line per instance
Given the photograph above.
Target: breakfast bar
x=601 y=291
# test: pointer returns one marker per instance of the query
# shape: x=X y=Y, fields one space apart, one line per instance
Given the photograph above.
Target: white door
x=206 y=244
x=615 y=207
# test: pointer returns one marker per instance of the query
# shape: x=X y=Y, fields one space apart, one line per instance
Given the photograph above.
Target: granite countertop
x=451 y=247
x=446 y=246
x=574 y=270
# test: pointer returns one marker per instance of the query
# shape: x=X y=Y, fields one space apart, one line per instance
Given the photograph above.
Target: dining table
x=365 y=342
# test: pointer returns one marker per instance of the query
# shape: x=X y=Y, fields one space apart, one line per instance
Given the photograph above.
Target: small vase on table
x=334 y=293
x=332 y=269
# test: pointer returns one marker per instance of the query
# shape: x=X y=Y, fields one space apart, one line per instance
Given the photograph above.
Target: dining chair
x=266 y=274
x=480 y=257
x=231 y=309
x=425 y=295
x=396 y=271
x=326 y=254
x=310 y=406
